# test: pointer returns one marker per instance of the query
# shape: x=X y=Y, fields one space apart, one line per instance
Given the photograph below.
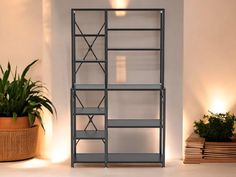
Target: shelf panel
x=90 y=134
x=89 y=86
x=90 y=111
x=90 y=158
x=134 y=158
x=134 y=29
x=89 y=35
x=133 y=123
x=133 y=49
x=137 y=87
x=119 y=87
x=90 y=61
x=118 y=158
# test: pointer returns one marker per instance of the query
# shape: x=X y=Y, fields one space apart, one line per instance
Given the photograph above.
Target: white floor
x=39 y=168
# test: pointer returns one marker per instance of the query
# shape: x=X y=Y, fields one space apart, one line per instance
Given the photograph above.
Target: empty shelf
x=119 y=87
x=89 y=35
x=134 y=158
x=90 y=134
x=133 y=123
x=90 y=111
x=118 y=158
x=90 y=158
x=90 y=61
x=89 y=86
x=134 y=29
x=134 y=87
x=133 y=49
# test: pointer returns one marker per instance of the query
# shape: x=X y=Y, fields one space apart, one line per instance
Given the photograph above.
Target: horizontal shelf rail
x=133 y=49
x=134 y=158
x=90 y=158
x=119 y=87
x=89 y=87
x=89 y=35
x=133 y=123
x=90 y=111
x=133 y=87
x=134 y=29
x=118 y=9
x=90 y=134
x=90 y=61
x=118 y=158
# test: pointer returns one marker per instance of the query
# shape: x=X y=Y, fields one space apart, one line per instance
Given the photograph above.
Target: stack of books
x=194 y=149
x=216 y=152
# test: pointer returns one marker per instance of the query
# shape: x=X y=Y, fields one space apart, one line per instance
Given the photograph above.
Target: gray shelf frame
x=77 y=135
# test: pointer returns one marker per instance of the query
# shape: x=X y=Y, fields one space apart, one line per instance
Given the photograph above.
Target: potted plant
x=21 y=102
x=216 y=126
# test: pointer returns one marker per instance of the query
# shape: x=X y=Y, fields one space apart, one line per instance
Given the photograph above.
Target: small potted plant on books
x=218 y=131
x=216 y=126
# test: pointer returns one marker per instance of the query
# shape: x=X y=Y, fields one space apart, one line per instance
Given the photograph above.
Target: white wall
x=209 y=59
x=21 y=33
x=50 y=41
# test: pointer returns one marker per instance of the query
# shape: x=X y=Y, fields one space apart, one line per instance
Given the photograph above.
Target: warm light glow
x=218 y=106
x=120 y=13
x=119 y=4
x=46 y=138
x=121 y=69
x=60 y=145
x=168 y=154
x=59 y=154
x=187 y=131
x=32 y=163
x=46 y=21
x=55 y=142
x=220 y=101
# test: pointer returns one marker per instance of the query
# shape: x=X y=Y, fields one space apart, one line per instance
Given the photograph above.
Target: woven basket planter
x=18 y=144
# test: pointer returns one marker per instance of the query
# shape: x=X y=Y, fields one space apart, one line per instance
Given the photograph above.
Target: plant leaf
x=27 y=69
x=14 y=115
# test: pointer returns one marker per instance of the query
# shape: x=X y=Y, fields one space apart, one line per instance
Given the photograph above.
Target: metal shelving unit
x=77 y=107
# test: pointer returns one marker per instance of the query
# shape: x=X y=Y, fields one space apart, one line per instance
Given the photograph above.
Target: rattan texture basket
x=18 y=144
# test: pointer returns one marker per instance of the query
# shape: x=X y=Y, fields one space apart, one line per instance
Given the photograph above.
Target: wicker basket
x=18 y=144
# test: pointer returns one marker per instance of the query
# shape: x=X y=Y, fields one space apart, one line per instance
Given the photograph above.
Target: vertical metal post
x=160 y=95
x=163 y=82
x=163 y=86
x=162 y=38
x=72 y=130
x=73 y=104
x=73 y=48
x=164 y=126
x=161 y=125
x=106 y=89
x=162 y=92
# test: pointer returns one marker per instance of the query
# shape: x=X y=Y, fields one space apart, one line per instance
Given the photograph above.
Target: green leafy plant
x=216 y=127
x=20 y=96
